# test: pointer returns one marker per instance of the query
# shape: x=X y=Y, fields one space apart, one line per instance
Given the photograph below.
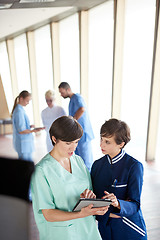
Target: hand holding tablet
x=97 y=203
x=39 y=128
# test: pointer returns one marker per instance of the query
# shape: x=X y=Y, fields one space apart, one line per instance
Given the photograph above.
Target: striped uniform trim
x=117 y=158
x=119 y=186
x=134 y=226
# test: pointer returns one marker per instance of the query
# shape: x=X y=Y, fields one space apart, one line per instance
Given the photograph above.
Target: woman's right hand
x=89 y=210
x=88 y=194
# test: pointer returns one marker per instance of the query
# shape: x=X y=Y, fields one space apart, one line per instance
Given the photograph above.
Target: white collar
x=116 y=158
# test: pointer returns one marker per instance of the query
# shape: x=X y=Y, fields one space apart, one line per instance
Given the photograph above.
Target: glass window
x=101 y=25
x=22 y=64
x=157 y=161
x=22 y=69
x=69 y=54
x=5 y=75
x=137 y=68
x=43 y=63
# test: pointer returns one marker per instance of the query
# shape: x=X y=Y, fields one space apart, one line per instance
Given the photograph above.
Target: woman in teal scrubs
x=60 y=178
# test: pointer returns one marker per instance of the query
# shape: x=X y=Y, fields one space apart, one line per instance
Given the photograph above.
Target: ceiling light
x=36 y=1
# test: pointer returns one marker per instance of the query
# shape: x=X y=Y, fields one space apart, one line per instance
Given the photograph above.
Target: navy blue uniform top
x=123 y=176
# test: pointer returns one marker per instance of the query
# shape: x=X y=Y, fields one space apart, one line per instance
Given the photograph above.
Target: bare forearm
x=54 y=215
x=79 y=113
x=27 y=131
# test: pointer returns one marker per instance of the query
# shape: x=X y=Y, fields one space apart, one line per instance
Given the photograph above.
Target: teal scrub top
x=53 y=187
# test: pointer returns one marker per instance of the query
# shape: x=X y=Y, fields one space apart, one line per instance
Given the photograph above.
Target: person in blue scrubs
x=58 y=182
x=119 y=177
x=78 y=110
x=23 y=141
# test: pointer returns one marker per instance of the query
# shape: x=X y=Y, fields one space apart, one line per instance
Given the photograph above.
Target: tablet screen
x=84 y=202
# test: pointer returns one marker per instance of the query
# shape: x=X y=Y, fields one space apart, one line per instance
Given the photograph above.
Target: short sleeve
x=41 y=191
x=20 y=121
x=79 y=101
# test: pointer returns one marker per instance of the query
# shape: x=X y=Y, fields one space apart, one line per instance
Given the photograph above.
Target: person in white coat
x=50 y=114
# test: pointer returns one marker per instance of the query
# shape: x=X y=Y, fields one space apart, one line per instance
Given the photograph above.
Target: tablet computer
x=84 y=202
x=39 y=128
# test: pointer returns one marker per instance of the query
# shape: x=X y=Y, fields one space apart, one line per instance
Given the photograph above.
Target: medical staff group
x=67 y=172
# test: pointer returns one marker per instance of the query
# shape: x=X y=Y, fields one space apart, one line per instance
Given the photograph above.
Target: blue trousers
x=25 y=156
x=84 y=150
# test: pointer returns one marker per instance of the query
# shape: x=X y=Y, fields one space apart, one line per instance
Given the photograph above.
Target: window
x=22 y=69
x=5 y=75
x=69 y=54
x=137 y=68
x=101 y=27
x=43 y=63
x=22 y=64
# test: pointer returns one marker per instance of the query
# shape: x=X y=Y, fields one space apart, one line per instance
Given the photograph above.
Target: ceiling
x=19 y=16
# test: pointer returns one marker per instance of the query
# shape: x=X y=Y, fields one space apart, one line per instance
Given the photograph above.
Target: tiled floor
x=34 y=235
x=151 y=201
x=150 y=194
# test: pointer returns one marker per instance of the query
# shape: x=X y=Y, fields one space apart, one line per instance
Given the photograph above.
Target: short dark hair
x=116 y=128
x=66 y=129
x=64 y=85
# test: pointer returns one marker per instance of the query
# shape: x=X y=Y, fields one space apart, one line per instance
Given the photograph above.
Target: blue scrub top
x=23 y=143
x=75 y=103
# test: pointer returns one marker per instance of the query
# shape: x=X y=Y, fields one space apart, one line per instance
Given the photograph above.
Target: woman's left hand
x=113 y=198
x=87 y=194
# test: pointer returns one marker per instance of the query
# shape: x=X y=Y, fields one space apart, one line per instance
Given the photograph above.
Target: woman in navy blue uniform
x=119 y=177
